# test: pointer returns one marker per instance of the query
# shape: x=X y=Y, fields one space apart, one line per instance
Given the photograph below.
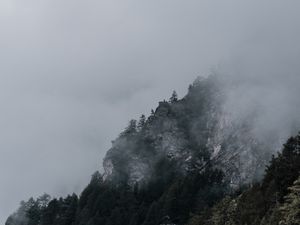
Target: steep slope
x=194 y=199
x=192 y=132
x=175 y=165
x=276 y=200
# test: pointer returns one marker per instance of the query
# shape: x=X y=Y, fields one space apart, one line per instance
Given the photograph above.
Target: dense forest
x=183 y=165
x=198 y=198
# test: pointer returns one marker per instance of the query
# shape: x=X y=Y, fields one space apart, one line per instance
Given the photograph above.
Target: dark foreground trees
x=194 y=199
x=276 y=200
x=106 y=203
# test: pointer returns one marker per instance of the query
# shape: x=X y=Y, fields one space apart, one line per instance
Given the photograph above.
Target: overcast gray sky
x=72 y=73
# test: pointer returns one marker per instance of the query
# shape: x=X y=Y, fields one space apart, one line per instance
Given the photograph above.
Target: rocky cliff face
x=191 y=133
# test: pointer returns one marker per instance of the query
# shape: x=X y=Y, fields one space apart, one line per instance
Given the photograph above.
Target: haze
x=74 y=72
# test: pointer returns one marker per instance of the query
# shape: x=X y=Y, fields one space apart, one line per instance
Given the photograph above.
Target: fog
x=72 y=73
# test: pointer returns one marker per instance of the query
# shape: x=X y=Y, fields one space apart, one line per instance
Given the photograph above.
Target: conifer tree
x=130 y=129
x=174 y=97
x=142 y=122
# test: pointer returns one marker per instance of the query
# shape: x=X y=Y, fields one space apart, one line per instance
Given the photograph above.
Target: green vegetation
x=166 y=171
x=273 y=201
x=194 y=199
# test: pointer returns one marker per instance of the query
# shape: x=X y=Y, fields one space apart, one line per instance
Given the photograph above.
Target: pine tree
x=130 y=129
x=33 y=213
x=50 y=213
x=151 y=117
x=174 y=97
x=96 y=178
x=141 y=122
x=43 y=200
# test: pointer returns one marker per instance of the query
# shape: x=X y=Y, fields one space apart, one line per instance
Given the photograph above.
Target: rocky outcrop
x=190 y=132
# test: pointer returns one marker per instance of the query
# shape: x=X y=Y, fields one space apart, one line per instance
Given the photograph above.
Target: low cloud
x=73 y=73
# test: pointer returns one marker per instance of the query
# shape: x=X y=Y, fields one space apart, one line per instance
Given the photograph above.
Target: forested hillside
x=191 y=133
x=189 y=162
x=198 y=198
x=275 y=200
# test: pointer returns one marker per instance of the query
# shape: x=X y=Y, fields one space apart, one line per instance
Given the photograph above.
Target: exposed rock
x=191 y=132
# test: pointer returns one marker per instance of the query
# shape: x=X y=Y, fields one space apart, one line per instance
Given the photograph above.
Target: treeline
x=198 y=198
x=160 y=201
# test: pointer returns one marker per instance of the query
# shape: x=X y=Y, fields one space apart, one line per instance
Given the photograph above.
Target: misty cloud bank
x=74 y=72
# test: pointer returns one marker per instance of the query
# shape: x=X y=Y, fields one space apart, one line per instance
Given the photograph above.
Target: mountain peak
x=190 y=133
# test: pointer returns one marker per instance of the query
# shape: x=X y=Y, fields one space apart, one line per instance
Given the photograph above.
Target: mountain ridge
x=191 y=162
x=181 y=129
